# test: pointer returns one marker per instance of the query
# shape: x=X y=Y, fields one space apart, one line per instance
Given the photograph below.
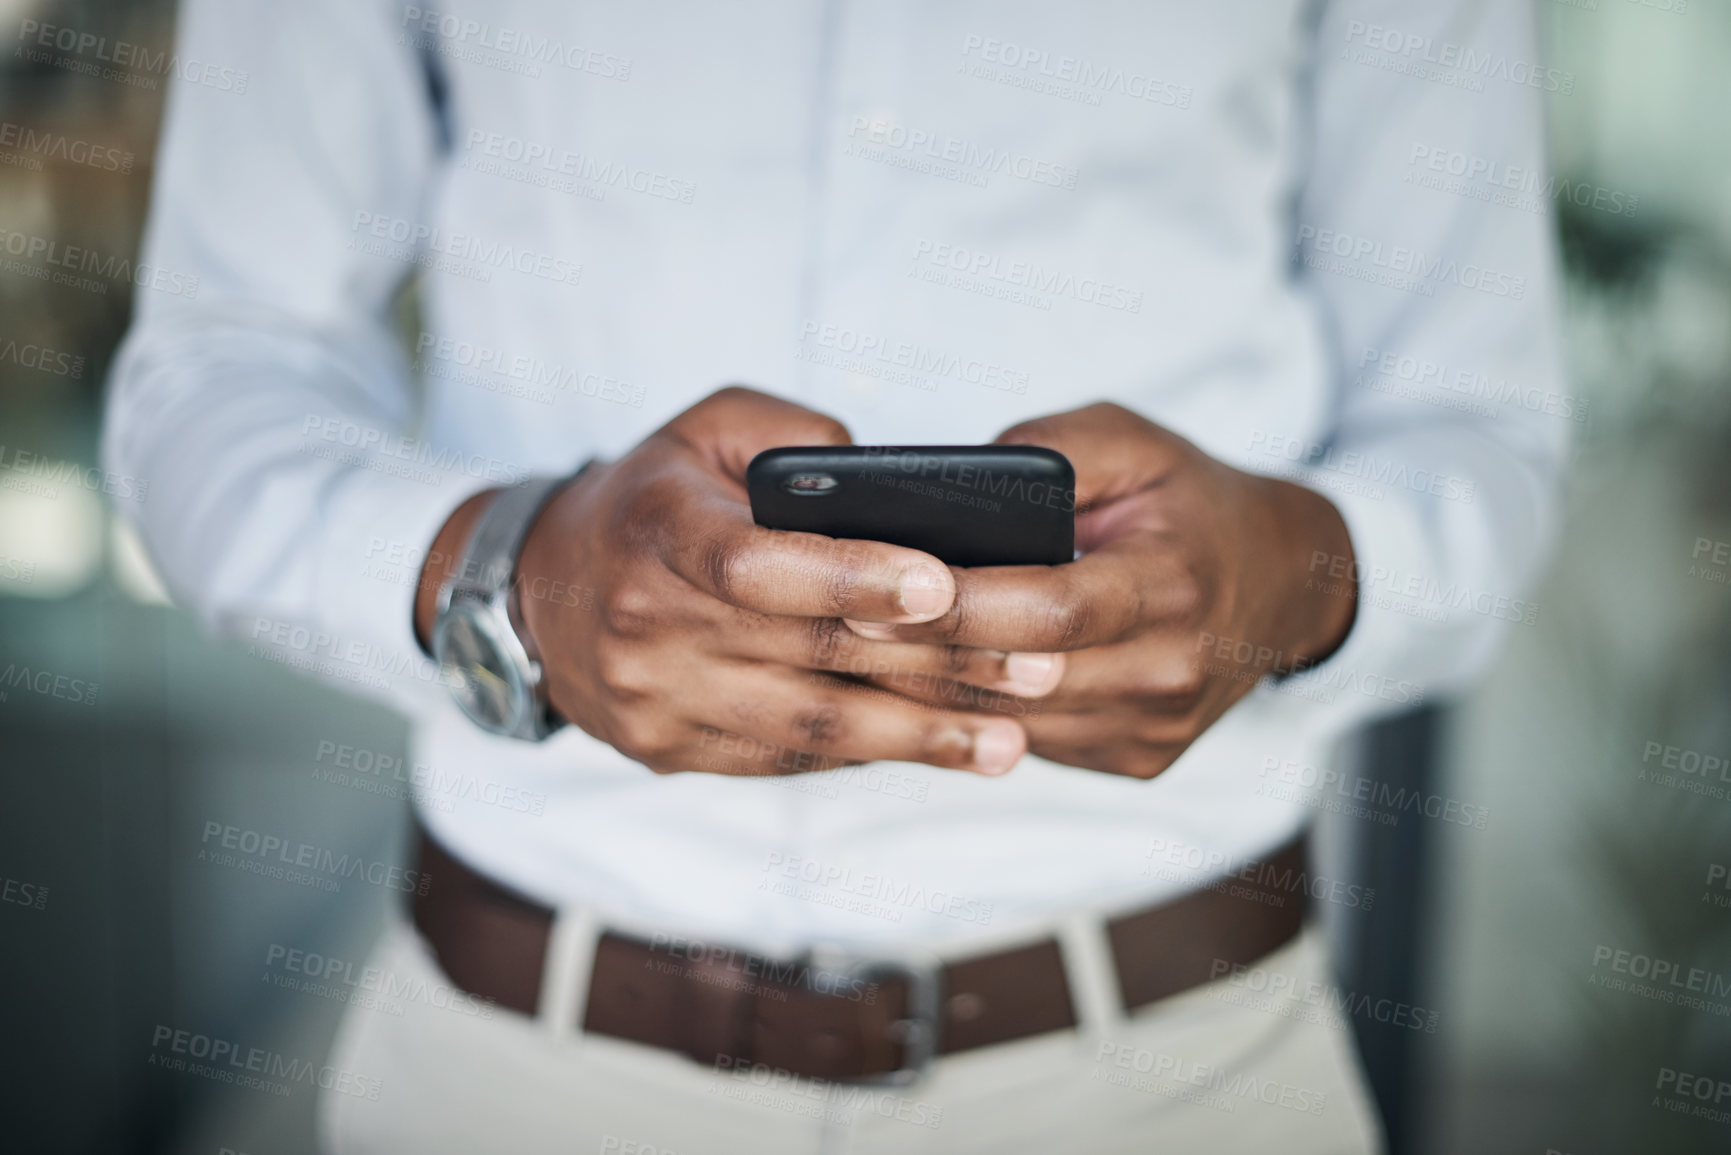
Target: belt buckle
x=919 y=1031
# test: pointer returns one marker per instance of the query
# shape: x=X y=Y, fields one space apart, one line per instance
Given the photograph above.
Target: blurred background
x=1591 y=748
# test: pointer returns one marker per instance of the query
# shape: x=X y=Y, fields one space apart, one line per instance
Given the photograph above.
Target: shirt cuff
x=1370 y=673
x=379 y=528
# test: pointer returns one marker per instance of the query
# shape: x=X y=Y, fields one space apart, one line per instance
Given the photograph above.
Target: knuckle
x=722 y=567
x=1177 y=684
x=728 y=397
x=1067 y=621
x=1109 y=761
x=1187 y=677
x=828 y=431
x=658 y=754
x=818 y=727
x=829 y=643
x=1156 y=732
x=751 y=715
x=953 y=625
x=1113 y=412
x=1185 y=700
x=1146 y=765
x=640 y=738
x=1140 y=759
x=1186 y=597
x=842 y=581
x=622 y=671
x=956 y=659
x=1032 y=432
x=628 y=611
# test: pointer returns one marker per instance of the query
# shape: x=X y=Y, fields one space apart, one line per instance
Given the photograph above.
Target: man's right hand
x=702 y=629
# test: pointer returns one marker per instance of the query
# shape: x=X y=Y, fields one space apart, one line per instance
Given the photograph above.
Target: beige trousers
x=1226 y=1067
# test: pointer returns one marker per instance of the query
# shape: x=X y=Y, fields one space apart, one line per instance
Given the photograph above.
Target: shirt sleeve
x=268 y=410
x=1424 y=236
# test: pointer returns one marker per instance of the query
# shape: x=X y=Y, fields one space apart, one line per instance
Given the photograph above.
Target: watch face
x=486 y=683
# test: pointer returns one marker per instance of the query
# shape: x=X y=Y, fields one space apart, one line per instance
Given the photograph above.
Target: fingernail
x=997 y=745
x=1028 y=673
x=925 y=591
x=876 y=631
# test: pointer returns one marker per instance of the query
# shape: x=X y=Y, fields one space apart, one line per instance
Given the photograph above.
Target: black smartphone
x=967 y=505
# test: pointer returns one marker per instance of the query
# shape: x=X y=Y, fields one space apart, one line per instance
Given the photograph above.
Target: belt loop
x=1093 y=979
x=565 y=974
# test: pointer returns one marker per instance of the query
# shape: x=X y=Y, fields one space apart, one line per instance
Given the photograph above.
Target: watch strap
x=489 y=564
x=490 y=557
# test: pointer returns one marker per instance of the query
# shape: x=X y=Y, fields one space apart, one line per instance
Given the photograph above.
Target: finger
x=714 y=750
x=1146 y=762
x=1102 y=598
x=826 y=644
x=1156 y=676
x=711 y=542
x=1110 y=742
x=1115 y=451
x=1111 y=730
x=836 y=719
x=1153 y=679
x=732 y=425
x=943 y=693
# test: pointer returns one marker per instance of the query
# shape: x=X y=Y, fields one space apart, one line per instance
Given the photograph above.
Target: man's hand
x=683 y=635
x=1184 y=559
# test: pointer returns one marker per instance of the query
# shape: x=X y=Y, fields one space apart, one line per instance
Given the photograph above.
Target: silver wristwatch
x=482 y=650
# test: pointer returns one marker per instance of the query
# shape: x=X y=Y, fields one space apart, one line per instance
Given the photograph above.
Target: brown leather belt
x=832 y=1019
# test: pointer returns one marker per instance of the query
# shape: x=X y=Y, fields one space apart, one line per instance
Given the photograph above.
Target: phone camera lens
x=809 y=484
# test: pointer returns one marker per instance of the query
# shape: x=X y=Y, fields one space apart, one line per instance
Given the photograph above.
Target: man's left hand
x=1196 y=580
